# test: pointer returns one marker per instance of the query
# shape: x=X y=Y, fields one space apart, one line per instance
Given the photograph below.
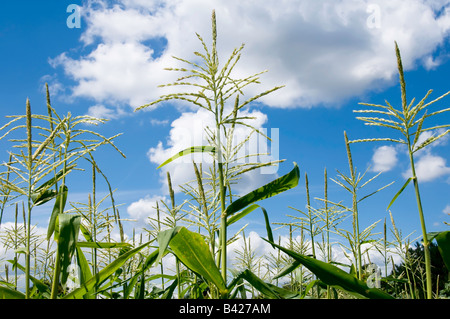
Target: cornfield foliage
x=79 y=259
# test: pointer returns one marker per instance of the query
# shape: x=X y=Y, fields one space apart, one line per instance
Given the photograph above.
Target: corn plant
x=47 y=158
x=217 y=89
x=408 y=121
x=353 y=184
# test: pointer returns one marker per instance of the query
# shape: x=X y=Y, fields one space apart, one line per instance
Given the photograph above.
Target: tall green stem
x=426 y=249
x=30 y=203
x=354 y=208
x=57 y=267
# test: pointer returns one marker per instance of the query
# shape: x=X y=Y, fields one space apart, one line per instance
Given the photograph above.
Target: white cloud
x=144 y=208
x=155 y=122
x=446 y=210
x=189 y=130
x=323 y=51
x=101 y=111
x=429 y=167
x=384 y=159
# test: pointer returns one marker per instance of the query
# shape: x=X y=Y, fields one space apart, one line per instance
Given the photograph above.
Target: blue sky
x=330 y=57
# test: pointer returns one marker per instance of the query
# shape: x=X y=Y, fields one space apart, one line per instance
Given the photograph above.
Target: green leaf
x=334 y=276
x=241 y=214
x=443 y=241
x=164 y=238
x=85 y=270
x=150 y=260
x=194 y=253
x=106 y=245
x=8 y=293
x=247 y=211
x=273 y=188
x=86 y=234
x=288 y=269
x=190 y=150
x=43 y=288
x=256 y=282
x=40 y=198
x=43 y=193
x=69 y=226
x=61 y=199
x=400 y=191
x=104 y=274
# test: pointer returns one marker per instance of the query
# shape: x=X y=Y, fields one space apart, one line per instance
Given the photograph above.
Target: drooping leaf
x=8 y=293
x=334 y=276
x=164 y=238
x=43 y=288
x=149 y=261
x=399 y=192
x=105 y=245
x=247 y=211
x=84 y=268
x=443 y=241
x=256 y=282
x=43 y=193
x=190 y=150
x=60 y=202
x=104 y=274
x=273 y=188
x=40 y=198
x=69 y=226
x=194 y=253
x=288 y=269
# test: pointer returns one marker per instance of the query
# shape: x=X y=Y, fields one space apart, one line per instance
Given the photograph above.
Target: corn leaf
x=61 y=199
x=8 y=293
x=164 y=238
x=399 y=192
x=194 y=253
x=106 y=245
x=443 y=241
x=69 y=226
x=247 y=211
x=190 y=150
x=85 y=270
x=334 y=276
x=104 y=274
x=273 y=188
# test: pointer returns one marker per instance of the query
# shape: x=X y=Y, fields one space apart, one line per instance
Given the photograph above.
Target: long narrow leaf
x=106 y=245
x=61 y=199
x=443 y=241
x=334 y=276
x=399 y=192
x=8 y=293
x=104 y=274
x=84 y=268
x=190 y=150
x=164 y=238
x=194 y=253
x=273 y=188
x=69 y=227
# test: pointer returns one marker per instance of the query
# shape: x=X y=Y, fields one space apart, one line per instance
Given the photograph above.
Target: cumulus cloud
x=384 y=159
x=189 y=130
x=430 y=167
x=144 y=208
x=446 y=210
x=323 y=51
x=101 y=111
